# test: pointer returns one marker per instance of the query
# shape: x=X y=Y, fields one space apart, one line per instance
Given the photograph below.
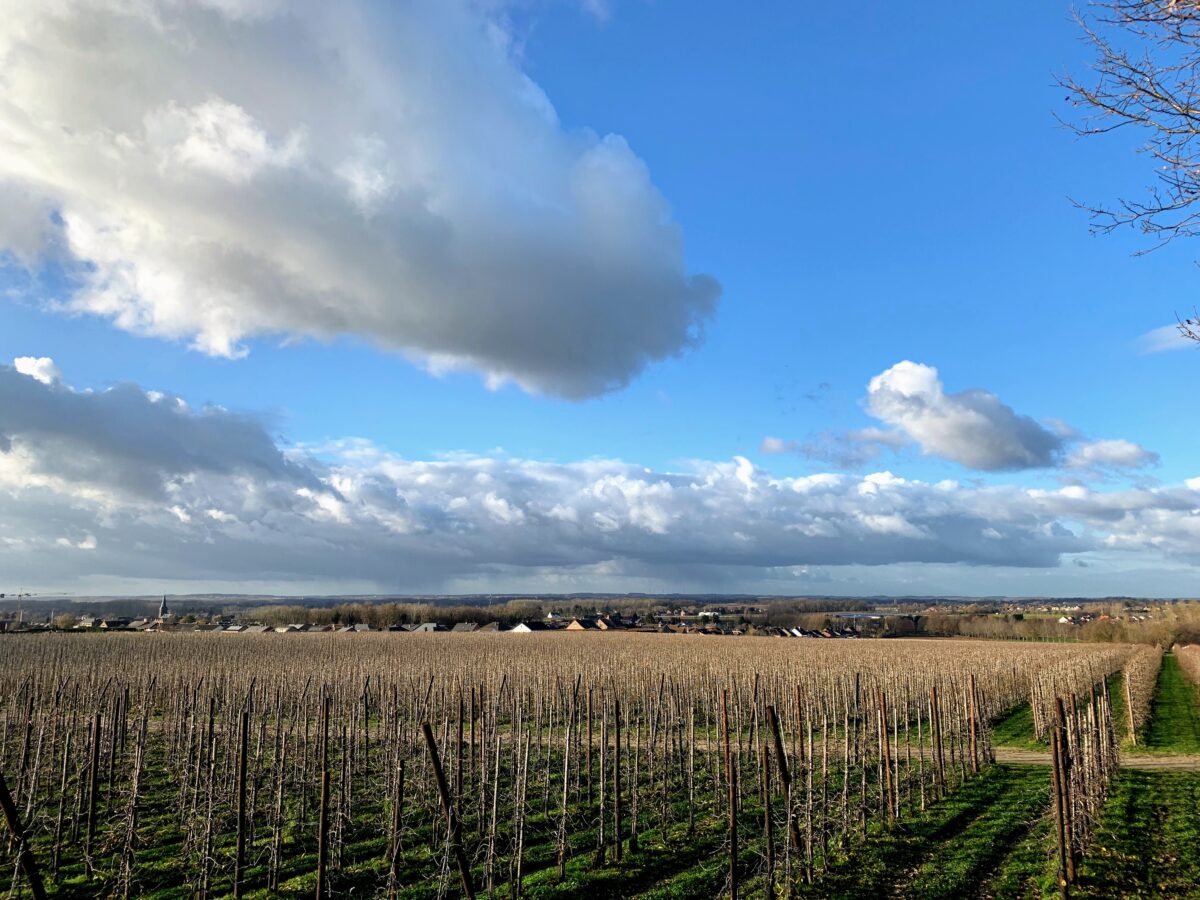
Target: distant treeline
x=1163 y=624
x=1122 y=621
x=384 y=615
x=787 y=612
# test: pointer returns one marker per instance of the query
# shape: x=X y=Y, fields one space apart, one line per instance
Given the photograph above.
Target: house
x=287 y=629
x=770 y=631
x=258 y=629
x=428 y=627
x=465 y=627
x=361 y=626
x=490 y=626
x=116 y=623
x=233 y=629
x=582 y=625
x=527 y=627
x=606 y=623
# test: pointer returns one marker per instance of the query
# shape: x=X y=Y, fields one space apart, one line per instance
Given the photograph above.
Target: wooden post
x=323 y=816
x=731 y=778
x=458 y=749
x=394 y=837
x=1065 y=767
x=589 y=745
x=464 y=868
x=785 y=777
x=93 y=792
x=617 y=781
x=601 y=846
x=768 y=824
x=25 y=855
x=62 y=796
x=562 y=838
x=886 y=751
x=974 y=735
x=935 y=724
x=239 y=865
x=1059 y=817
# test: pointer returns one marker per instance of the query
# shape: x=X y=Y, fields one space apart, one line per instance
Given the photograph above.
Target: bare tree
x=1147 y=78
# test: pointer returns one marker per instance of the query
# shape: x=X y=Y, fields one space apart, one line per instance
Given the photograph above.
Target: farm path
x=1173 y=762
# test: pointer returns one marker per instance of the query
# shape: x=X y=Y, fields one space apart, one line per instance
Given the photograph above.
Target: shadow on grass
x=1145 y=844
x=957 y=844
x=1175 y=716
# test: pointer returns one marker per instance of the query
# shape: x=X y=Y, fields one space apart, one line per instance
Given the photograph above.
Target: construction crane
x=19 y=614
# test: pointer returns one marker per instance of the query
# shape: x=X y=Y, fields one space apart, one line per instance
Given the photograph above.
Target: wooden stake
x=464 y=868
x=24 y=854
x=239 y=865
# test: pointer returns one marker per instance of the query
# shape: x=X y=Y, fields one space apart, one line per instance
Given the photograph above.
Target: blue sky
x=866 y=185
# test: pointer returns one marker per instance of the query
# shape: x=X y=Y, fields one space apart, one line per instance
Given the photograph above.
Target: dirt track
x=1174 y=762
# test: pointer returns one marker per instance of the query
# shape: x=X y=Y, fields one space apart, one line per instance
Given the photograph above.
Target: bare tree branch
x=1146 y=76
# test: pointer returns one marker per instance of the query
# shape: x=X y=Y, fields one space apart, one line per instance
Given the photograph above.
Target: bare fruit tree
x=1146 y=77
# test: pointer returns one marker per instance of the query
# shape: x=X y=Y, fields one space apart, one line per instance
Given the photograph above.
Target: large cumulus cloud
x=972 y=427
x=129 y=484
x=216 y=171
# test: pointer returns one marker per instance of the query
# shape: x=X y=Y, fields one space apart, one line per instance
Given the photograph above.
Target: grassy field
x=956 y=846
x=1016 y=730
x=1175 y=721
x=1148 y=840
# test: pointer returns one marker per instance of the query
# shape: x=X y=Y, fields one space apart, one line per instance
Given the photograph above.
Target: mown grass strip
x=992 y=810
x=1145 y=845
x=956 y=868
x=1016 y=730
x=1029 y=869
x=1175 y=718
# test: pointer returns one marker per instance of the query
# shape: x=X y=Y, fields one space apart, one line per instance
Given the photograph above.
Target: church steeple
x=162 y=609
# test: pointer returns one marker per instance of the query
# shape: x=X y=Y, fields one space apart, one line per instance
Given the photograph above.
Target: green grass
x=1029 y=869
x=950 y=850
x=1016 y=730
x=1147 y=839
x=1120 y=710
x=1175 y=717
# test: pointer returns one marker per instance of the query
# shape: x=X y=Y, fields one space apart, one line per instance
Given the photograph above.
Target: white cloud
x=41 y=368
x=774 y=445
x=222 y=171
x=1111 y=453
x=152 y=489
x=219 y=138
x=1164 y=338
x=177 y=494
x=971 y=427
